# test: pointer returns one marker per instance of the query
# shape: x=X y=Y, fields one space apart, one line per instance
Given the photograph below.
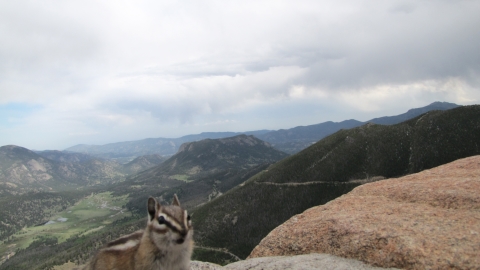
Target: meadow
x=88 y=215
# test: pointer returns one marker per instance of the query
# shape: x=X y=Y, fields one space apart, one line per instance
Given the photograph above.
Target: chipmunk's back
x=118 y=254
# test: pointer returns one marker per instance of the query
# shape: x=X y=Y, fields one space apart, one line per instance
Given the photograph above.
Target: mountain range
x=23 y=170
x=287 y=140
x=125 y=151
x=298 y=138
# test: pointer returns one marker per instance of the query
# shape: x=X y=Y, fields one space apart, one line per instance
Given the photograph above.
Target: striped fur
x=166 y=242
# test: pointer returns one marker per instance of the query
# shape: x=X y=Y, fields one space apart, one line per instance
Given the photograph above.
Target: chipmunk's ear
x=175 y=200
x=152 y=208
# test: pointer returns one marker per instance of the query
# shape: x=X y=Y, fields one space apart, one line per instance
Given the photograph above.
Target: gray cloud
x=166 y=67
x=402 y=7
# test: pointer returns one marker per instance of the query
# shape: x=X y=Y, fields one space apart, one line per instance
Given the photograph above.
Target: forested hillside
x=207 y=156
x=31 y=209
x=45 y=253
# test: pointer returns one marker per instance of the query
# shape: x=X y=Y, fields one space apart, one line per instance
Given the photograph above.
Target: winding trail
x=224 y=250
x=361 y=181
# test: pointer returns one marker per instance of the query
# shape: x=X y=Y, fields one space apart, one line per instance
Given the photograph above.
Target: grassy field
x=181 y=177
x=88 y=215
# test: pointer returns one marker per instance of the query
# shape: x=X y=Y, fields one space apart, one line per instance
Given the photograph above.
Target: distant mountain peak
x=241 y=151
x=443 y=103
x=440 y=105
x=17 y=150
x=11 y=147
x=245 y=140
x=412 y=113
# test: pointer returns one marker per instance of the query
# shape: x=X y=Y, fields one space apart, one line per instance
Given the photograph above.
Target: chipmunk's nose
x=183 y=234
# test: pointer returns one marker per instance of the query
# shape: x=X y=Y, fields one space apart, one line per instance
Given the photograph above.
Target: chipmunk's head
x=169 y=225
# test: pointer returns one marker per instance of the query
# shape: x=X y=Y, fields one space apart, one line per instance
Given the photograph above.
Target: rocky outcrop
x=300 y=262
x=310 y=261
x=197 y=265
x=428 y=220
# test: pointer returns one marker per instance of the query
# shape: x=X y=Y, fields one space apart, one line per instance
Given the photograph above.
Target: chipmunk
x=166 y=242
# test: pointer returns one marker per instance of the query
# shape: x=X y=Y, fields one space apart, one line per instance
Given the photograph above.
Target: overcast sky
x=97 y=72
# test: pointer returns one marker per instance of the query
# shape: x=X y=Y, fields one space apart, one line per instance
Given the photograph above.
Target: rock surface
x=428 y=220
x=300 y=262
x=197 y=265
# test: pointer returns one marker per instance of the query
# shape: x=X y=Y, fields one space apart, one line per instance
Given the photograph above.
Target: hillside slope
x=64 y=156
x=209 y=156
x=200 y=171
x=142 y=163
x=17 y=212
x=295 y=139
x=240 y=218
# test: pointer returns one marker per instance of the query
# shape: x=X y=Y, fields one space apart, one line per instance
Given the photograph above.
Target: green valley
x=88 y=215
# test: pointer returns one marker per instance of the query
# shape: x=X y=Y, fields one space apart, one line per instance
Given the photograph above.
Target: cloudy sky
x=97 y=72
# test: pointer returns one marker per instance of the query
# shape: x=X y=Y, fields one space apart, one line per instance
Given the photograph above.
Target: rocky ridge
x=427 y=220
x=299 y=262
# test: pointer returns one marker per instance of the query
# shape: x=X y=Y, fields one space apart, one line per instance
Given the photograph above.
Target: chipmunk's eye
x=188 y=217
x=161 y=220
